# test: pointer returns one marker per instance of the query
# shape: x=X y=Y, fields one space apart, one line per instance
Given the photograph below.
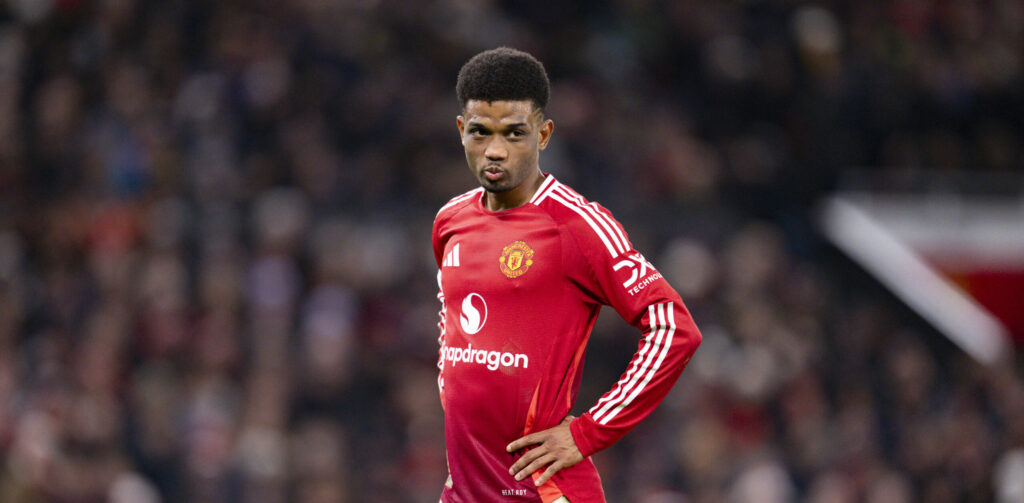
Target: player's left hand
x=555 y=448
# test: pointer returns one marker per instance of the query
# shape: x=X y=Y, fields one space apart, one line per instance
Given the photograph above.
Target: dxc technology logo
x=474 y=313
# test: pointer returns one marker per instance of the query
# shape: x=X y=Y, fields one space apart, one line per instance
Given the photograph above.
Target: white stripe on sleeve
x=541 y=192
x=597 y=229
x=602 y=217
x=458 y=199
x=670 y=331
x=660 y=328
x=620 y=387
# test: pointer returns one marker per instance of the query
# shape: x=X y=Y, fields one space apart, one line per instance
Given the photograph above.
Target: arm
x=440 y=338
x=611 y=272
x=439 y=236
x=668 y=340
x=621 y=277
x=438 y=246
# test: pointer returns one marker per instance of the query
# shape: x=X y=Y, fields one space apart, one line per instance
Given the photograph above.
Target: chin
x=494 y=187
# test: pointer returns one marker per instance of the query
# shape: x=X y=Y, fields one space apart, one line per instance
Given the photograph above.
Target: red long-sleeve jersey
x=520 y=290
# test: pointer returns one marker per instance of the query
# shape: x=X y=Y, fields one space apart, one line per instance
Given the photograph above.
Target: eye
x=517 y=133
x=476 y=132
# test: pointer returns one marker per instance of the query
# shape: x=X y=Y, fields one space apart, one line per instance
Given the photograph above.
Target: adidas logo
x=452 y=259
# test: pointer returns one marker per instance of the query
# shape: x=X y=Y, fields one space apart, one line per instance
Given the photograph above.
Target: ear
x=460 y=122
x=546 y=128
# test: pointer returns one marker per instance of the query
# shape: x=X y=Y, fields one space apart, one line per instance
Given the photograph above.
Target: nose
x=496 y=150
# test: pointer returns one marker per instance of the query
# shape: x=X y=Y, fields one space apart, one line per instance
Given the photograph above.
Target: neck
x=516 y=197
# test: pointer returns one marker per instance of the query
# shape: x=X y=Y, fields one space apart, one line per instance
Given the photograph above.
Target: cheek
x=530 y=153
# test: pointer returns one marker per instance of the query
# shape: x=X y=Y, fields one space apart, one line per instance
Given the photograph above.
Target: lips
x=494 y=173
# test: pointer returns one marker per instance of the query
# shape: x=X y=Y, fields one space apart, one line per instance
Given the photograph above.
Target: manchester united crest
x=516 y=259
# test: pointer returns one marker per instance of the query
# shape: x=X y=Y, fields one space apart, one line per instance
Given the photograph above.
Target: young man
x=525 y=264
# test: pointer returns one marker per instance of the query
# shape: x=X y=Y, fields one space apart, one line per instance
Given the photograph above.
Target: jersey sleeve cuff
x=578 y=428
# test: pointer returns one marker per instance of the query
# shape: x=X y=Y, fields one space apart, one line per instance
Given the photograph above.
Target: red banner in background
x=999 y=289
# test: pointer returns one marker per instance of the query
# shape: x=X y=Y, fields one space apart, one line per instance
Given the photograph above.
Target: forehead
x=501 y=111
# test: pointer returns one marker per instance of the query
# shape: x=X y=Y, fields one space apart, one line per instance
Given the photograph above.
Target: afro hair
x=503 y=74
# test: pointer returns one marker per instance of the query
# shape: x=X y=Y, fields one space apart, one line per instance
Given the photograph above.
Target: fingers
x=554 y=448
x=524 y=442
x=550 y=472
x=525 y=460
x=537 y=464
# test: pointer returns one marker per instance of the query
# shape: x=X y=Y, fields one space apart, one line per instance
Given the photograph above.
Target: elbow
x=694 y=340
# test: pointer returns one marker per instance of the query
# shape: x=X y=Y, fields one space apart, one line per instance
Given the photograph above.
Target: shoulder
x=590 y=224
x=456 y=204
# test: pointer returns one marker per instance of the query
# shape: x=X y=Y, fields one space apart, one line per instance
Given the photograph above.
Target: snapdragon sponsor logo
x=474 y=313
x=493 y=359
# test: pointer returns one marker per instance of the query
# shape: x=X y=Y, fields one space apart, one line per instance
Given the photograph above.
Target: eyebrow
x=506 y=126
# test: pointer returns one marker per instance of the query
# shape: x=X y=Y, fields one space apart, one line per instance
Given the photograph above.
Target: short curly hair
x=503 y=74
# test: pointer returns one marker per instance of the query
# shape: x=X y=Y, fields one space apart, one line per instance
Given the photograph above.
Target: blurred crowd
x=216 y=283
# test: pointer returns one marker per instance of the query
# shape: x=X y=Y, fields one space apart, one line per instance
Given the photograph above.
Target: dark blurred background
x=216 y=281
